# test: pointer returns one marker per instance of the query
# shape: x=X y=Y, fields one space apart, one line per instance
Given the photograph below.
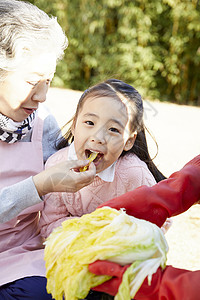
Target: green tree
x=152 y=44
x=182 y=60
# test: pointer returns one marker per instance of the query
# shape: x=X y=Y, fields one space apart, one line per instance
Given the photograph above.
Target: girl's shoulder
x=59 y=156
x=131 y=169
x=131 y=161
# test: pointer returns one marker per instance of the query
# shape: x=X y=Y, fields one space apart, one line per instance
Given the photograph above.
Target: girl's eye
x=89 y=123
x=114 y=130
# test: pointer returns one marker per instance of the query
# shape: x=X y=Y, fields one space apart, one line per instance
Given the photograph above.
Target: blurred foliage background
x=153 y=45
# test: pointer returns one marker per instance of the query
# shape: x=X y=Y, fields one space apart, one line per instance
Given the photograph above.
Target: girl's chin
x=99 y=166
x=99 y=169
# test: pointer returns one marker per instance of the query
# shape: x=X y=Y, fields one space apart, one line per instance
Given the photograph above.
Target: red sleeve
x=168 y=198
x=171 y=284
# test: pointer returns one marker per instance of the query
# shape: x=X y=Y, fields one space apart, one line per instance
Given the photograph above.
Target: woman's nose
x=40 y=91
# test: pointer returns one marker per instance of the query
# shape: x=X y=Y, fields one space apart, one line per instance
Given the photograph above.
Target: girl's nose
x=40 y=91
x=99 y=137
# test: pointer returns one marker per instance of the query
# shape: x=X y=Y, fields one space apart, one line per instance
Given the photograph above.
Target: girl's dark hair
x=132 y=100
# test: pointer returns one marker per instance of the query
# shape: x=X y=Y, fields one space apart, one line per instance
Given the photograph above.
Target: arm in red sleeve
x=167 y=198
x=171 y=284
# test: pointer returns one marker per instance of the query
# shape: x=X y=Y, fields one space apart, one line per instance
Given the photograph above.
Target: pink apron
x=21 y=252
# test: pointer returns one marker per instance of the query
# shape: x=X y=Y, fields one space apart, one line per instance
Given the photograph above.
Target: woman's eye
x=114 y=130
x=89 y=123
x=48 y=81
x=33 y=83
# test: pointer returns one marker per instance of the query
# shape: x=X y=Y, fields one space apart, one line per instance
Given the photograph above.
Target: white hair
x=25 y=30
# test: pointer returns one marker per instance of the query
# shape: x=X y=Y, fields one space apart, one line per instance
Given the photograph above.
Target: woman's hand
x=64 y=177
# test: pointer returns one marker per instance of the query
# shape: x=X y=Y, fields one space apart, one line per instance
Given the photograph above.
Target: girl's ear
x=73 y=127
x=130 y=142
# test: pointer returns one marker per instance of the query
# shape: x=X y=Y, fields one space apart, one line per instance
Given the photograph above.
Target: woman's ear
x=130 y=142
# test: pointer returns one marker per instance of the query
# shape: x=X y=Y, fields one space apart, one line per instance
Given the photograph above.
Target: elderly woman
x=30 y=45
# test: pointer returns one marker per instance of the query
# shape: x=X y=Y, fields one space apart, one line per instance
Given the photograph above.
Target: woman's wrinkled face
x=23 y=89
x=102 y=127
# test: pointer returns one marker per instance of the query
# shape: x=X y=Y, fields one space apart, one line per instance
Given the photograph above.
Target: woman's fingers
x=77 y=164
x=63 y=177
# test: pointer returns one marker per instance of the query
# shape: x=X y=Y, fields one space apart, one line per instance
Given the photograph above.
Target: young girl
x=108 y=122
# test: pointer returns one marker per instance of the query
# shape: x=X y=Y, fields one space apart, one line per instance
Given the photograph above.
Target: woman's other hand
x=64 y=177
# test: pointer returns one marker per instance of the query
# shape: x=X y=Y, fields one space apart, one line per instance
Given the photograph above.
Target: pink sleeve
x=54 y=211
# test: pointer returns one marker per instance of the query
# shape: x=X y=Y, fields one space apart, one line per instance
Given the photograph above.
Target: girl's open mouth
x=92 y=156
x=98 y=155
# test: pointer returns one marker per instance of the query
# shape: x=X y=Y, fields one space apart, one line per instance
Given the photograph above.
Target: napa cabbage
x=105 y=234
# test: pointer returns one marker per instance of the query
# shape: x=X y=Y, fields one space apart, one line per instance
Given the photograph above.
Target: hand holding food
x=64 y=177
